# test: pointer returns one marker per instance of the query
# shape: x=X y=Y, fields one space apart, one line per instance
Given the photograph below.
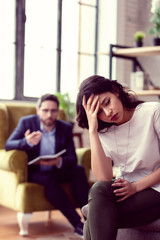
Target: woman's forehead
x=106 y=94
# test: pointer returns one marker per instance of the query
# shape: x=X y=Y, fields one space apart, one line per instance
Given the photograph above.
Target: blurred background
x=52 y=45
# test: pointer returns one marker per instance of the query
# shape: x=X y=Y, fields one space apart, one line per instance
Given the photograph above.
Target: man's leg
x=76 y=176
x=80 y=185
x=55 y=194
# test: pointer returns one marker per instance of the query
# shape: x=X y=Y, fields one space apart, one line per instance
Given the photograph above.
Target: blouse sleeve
x=103 y=142
x=157 y=121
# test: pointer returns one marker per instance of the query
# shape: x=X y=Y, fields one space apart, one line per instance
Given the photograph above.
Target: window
x=78 y=44
x=106 y=35
x=58 y=44
x=40 y=47
x=7 y=49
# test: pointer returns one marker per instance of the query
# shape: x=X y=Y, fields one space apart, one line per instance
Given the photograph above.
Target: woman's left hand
x=124 y=189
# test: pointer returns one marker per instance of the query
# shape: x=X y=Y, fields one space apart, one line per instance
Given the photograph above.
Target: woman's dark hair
x=96 y=85
x=47 y=97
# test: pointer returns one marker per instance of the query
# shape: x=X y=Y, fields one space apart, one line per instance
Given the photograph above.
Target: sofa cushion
x=134 y=234
x=154 y=226
x=150 y=231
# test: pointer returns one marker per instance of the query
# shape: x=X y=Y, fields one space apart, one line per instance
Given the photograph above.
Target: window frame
x=20 y=47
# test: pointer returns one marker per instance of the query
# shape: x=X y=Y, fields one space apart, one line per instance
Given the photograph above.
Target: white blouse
x=135 y=145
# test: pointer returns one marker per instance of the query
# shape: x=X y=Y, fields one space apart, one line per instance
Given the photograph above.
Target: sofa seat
x=148 y=232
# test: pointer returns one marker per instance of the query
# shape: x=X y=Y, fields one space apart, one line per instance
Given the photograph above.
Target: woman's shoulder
x=149 y=106
x=147 y=111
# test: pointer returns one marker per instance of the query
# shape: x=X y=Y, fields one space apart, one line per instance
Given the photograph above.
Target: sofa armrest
x=14 y=161
x=84 y=159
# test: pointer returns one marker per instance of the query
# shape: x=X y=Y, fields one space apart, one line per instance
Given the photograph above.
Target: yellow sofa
x=15 y=192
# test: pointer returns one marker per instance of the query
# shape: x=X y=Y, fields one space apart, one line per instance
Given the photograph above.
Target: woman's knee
x=101 y=188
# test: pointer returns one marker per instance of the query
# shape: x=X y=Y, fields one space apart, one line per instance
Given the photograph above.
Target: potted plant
x=68 y=106
x=138 y=37
x=155 y=19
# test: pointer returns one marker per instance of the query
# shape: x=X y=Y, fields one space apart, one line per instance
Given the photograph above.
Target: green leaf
x=66 y=104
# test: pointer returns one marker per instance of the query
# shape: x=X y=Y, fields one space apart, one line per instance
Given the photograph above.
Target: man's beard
x=49 y=122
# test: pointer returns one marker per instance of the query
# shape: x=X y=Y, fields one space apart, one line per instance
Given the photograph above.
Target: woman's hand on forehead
x=91 y=109
x=92 y=100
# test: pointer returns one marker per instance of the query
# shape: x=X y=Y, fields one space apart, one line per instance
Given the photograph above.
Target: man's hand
x=50 y=162
x=124 y=189
x=34 y=137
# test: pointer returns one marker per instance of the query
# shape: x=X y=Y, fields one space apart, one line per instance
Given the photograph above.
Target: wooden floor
x=39 y=228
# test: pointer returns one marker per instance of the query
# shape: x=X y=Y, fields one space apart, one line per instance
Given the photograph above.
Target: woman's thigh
x=139 y=209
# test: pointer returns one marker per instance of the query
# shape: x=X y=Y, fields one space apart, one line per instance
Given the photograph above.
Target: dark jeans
x=106 y=215
x=55 y=194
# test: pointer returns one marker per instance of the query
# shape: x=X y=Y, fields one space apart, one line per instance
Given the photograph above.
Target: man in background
x=43 y=134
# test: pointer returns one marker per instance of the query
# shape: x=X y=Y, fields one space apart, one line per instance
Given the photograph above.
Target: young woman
x=123 y=132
